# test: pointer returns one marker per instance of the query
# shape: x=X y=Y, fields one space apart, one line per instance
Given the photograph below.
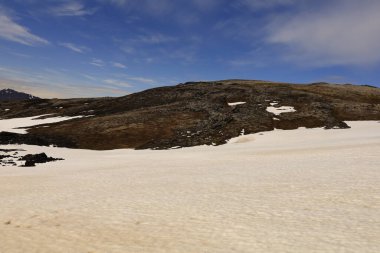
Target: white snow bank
x=236 y=103
x=17 y=125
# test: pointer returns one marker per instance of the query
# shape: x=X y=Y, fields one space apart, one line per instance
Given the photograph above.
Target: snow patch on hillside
x=279 y=110
x=236 y=103
x=20 y=125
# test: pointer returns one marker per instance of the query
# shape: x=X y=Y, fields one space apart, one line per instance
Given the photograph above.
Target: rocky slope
x=11 y=95
x=192 y=114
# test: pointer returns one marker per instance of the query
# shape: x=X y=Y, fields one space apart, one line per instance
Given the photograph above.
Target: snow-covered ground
x=281 y=109
x=305 y=190
x=20 y=125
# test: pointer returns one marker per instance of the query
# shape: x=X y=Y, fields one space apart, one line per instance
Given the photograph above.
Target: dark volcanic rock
x=31 y=160
x=192 y=114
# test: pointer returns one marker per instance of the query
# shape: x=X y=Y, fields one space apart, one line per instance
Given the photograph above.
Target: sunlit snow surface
x=304 y=190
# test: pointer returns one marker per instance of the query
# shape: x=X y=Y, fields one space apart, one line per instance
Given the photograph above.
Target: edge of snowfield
x=360 y=133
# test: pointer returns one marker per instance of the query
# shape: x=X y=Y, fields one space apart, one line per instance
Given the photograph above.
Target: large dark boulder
x=32 y=159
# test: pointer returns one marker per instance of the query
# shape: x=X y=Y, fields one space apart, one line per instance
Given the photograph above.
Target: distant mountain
x=11 y=95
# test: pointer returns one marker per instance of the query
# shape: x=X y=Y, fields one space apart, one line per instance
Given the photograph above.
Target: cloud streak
x=73 y=47
x=119 y=65
x=12 y=31
x=142 y=80
x=117 y=83
x=71 y=9
x=267 y=4
x=97 y=62
x=156 y=38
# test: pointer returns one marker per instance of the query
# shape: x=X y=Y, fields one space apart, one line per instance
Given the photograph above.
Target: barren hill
x=194 y=113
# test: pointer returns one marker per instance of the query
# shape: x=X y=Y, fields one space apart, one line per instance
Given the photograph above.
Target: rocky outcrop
x=194 y=113
x=11 y=157
x=32 y=159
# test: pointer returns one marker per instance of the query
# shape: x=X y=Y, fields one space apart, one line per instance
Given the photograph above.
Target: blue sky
x=79 y=48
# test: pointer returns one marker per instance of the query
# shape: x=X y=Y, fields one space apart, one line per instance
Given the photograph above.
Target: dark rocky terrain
x=9 y=157
x=32 y=159
x=12 y=95
x=192 y=114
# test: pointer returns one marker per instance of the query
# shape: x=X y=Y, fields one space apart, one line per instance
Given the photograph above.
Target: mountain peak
x=10 y=95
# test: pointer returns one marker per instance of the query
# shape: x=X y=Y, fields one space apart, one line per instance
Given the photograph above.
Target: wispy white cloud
x=4 y=71
x=90 y=77
x=246 y=62
x=142 y=80
x=340 y=33
x=237 y=28
x=149 y=47
x=165 y=7
x=117 y=83
x=149 y=60
x=71 y=8
x=119 y=65
x=128 y=49
x=206 y=5
x=116 y=2
x=185 y=55
x=257 y=5
x=73 y=47
x=156 y=38
x=97 y=62
x=12 y=31
x=21 y=55
x=155 y=8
